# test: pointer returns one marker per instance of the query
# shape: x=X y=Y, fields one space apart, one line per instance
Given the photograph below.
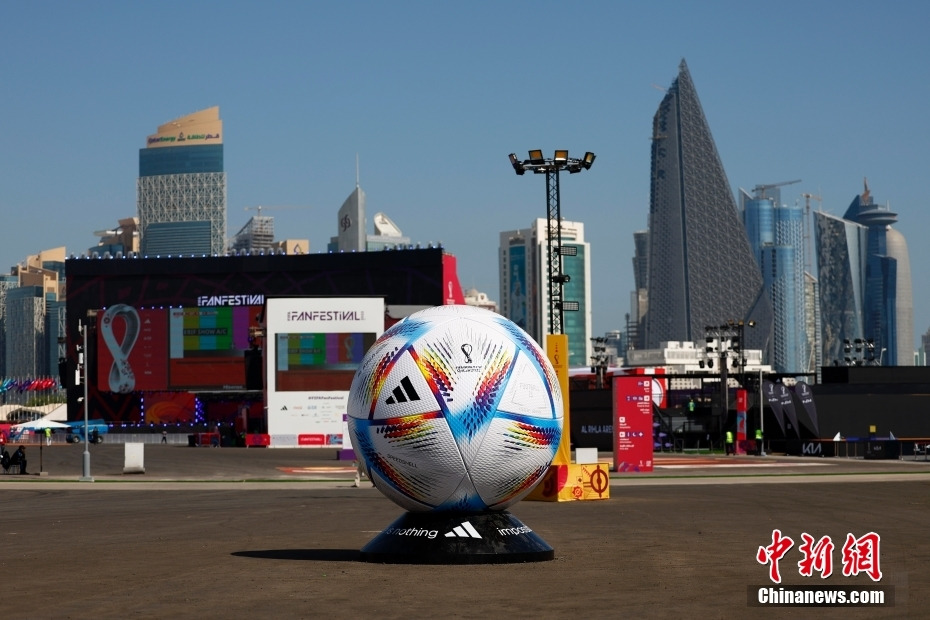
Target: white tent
x=38 y=425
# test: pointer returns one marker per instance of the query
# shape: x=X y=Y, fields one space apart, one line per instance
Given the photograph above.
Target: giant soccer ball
x=455 y=408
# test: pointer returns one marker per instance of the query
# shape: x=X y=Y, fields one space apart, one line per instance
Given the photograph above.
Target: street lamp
x=85 y=328
x=599 y=360
x=539 y=164
x=739 y=344
x=716 y=338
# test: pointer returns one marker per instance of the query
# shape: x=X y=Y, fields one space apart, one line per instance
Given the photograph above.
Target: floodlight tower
x=551 y=167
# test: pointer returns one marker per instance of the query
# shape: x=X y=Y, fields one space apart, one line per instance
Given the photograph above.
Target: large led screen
x=301 y=357
x=152 y=349
x=208 y=346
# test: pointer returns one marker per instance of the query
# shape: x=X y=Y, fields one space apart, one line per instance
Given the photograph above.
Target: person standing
x=48 y=435
x=729 y=447
x=758 y=442
x=19 y=458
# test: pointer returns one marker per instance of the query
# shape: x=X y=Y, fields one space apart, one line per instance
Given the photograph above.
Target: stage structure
x=173 y=341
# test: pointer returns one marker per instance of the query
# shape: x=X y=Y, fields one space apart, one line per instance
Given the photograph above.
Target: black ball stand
x=457 y=538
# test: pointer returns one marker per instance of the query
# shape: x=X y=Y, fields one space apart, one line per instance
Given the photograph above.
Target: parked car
x=96 y=429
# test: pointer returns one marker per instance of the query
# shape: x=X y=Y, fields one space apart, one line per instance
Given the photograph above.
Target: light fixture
x=539 y=164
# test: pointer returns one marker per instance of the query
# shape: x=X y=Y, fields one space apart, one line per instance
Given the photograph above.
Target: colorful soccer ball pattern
x=455 y=408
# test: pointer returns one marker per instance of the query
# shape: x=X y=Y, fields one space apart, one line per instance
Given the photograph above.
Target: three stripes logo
x=465 y=530
x=403 y=393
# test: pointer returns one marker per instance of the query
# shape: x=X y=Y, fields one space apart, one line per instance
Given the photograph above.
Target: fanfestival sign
x=312 y=344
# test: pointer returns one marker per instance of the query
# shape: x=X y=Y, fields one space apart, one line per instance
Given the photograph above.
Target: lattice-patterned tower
x=181 y=190
x=701 y=269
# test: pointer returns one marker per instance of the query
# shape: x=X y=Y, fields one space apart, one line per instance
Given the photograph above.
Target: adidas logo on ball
x=403 y=393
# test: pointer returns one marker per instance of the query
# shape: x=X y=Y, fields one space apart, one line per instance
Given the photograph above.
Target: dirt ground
x=277 y=533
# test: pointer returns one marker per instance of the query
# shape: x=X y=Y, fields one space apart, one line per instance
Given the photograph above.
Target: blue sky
x=433 y=96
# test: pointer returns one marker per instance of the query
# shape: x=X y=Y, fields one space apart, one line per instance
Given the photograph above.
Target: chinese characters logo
x=858 y=555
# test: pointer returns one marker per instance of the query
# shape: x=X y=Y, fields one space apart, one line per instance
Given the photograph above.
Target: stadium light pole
x=538 y=164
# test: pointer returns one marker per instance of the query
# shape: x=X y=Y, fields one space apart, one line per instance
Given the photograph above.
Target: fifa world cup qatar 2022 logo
x=121 y=378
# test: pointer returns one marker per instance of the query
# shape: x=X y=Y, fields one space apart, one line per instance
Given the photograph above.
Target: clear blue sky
x=433 y=96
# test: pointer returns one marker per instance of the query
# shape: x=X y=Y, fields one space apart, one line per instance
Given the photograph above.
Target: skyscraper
x=7 y=282
x=839 y=246
x=524 y=285
x=701 y=269
x=352 y=223
x=181 y=191
x=776 y=235
x=639 y=298
x=865 y=280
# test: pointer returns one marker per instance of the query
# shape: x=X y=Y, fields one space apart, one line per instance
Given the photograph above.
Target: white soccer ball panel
x=404 y=390
x=528 y=392
x=414 y=457
x=515 y=455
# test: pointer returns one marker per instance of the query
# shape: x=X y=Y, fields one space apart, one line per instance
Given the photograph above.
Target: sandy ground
x=277 y=533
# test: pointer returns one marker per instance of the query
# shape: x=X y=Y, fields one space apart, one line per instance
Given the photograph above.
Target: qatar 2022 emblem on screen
x=456 y=414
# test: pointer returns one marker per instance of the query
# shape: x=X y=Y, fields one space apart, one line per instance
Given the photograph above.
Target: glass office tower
x=702 y=271
x=776 y=235
x=181 y=191
x=865 y=279
x=524 y=287
x=839 y=246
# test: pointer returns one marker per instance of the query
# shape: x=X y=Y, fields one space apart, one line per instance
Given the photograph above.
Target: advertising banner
x=632 y=417
x=805 y=395
x=557 y=350
x=741 y=421
x=773 y=400
x=787 y=405
x=573 y=482
x=312 y=349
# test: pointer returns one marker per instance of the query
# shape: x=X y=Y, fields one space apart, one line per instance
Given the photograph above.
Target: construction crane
x=759 y=190
x=807 y=202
